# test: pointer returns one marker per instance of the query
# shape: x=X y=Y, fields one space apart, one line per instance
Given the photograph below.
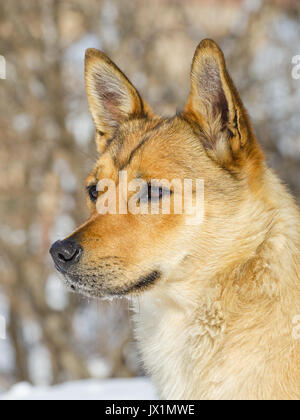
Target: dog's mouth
x=109 y=276
x=81 y=285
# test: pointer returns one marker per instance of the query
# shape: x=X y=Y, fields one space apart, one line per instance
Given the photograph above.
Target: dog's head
x=125 y=252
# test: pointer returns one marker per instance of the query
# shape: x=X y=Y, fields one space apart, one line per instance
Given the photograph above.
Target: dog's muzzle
x=65 y=254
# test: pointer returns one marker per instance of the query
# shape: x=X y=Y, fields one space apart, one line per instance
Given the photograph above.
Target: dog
x=216 y=304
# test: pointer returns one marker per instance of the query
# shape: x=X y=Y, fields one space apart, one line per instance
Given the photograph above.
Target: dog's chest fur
x=176 y=344
x=194 y=349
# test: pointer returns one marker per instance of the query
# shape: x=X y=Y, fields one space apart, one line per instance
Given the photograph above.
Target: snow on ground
x=92 y=389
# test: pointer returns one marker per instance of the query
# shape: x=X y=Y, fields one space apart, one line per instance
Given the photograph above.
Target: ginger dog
x=217 y=304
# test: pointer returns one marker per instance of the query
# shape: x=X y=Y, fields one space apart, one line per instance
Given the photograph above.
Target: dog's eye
x=156 y=193
x=93 y=193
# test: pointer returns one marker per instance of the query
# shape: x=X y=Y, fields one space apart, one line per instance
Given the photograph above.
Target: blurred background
x=47 y=149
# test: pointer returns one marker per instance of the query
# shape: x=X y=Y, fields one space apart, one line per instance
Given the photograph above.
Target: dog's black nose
x=65 y=253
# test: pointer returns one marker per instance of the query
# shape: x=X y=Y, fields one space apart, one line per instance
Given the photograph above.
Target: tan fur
x=225 y=331
x=217 y=322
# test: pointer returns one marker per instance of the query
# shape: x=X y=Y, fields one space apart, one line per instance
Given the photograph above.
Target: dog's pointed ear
x=215 y=106
x=112 y=98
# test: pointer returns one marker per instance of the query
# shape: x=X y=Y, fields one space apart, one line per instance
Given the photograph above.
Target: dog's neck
x=214 y=336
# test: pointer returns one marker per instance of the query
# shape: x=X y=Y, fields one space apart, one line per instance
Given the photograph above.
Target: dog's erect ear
x=215 y=106
x=112 y=98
